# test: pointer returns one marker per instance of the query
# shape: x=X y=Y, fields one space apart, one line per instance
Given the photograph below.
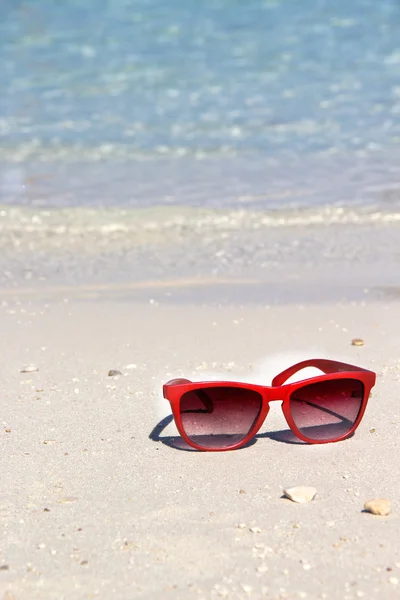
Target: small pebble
x=372 y=430
x=7 y=430
x=330 y=523
x=357 y=342
x=300 y=494
x=114 y=373
x=380 y=507
x=247 y=588
x=255 y=530
x=49 y=442
x=262 y=569
x=67 y=500
x=4 y=568
x=242 y=492
x=29 y=369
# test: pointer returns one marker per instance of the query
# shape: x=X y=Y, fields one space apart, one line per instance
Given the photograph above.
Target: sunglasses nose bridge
x=273 y=394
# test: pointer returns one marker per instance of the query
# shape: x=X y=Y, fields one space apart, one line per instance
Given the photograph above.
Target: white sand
x=150 y=521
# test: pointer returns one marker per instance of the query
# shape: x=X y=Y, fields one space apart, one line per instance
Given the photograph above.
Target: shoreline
x=120 y=221
x=254 y=180
x=224 y=258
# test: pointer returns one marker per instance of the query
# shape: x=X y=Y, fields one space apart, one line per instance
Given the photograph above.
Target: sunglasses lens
x=219 y=417
x=327 y=410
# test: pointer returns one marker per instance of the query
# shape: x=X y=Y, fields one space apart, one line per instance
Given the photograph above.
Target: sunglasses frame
x=174 y=389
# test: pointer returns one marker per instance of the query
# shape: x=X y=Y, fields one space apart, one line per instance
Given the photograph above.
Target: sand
x=98 y=502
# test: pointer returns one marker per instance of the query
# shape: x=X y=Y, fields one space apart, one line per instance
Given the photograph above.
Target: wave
x=131 y=222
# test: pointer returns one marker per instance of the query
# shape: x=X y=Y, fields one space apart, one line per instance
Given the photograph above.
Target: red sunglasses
x=226 y=415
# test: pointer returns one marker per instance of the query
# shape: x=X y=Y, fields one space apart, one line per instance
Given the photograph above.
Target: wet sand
x=275 y=257
x=99 y=501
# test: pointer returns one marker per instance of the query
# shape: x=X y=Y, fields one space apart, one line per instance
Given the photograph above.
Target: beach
x=208 y=191
x=100 y=500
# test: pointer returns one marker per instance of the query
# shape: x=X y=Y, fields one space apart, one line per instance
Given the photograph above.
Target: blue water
x=92 y=88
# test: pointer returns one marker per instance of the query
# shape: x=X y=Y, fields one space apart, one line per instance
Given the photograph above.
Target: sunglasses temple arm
x=324 y=365
x=206 y=402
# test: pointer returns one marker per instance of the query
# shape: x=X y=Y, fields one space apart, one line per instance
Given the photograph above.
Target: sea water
x=256 y=104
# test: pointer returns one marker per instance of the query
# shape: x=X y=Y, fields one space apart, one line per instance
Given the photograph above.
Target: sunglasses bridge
x=273 y=394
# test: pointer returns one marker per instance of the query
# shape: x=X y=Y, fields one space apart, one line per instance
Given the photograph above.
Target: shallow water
x=220 y=103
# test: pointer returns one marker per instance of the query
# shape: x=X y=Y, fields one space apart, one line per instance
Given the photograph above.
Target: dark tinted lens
x=327 y=410
x=218 y=417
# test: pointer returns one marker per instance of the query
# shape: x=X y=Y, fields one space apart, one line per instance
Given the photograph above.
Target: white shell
x=29 y=369
x=300 y=494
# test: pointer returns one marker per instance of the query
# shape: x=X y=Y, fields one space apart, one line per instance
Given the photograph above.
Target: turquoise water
x=220 y=103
